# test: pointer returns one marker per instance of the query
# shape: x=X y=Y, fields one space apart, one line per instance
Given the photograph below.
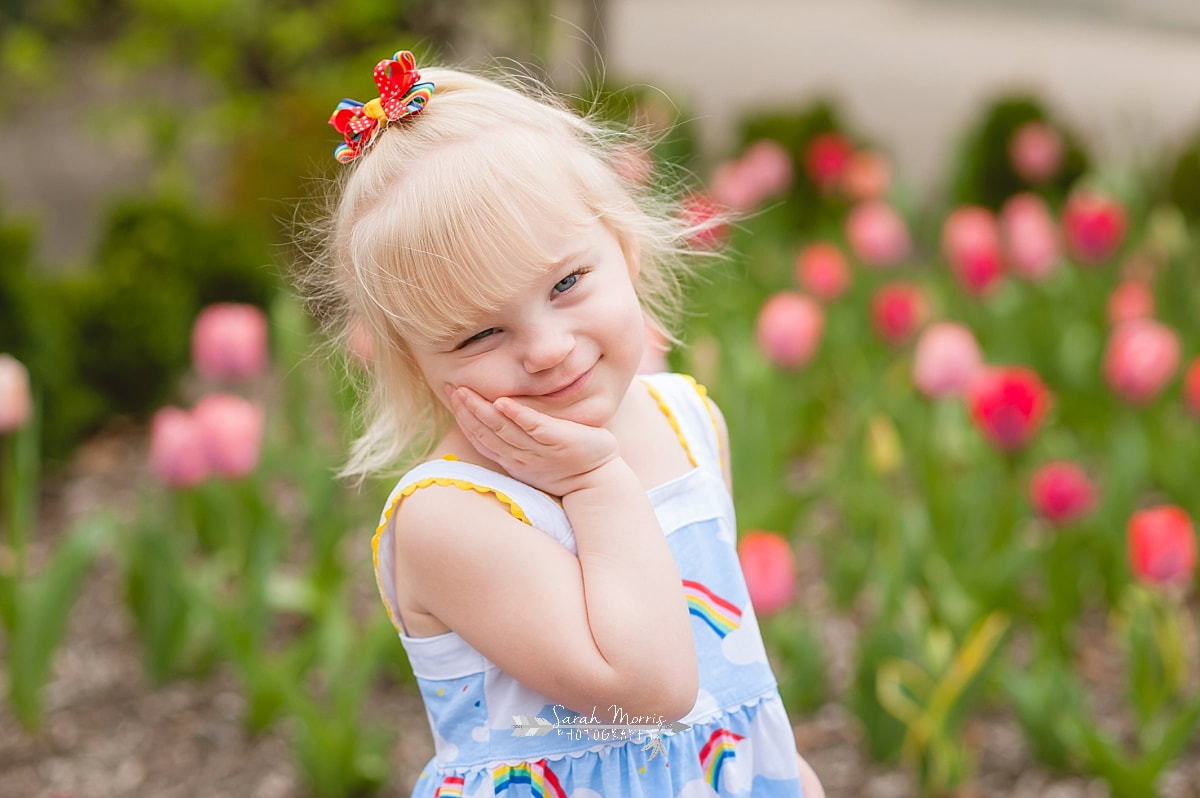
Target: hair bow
x=400 y=95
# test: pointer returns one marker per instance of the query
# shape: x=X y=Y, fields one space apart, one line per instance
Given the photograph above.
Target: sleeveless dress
x=740 y=742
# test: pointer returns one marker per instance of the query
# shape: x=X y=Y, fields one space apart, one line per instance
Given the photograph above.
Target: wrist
x=610 y=472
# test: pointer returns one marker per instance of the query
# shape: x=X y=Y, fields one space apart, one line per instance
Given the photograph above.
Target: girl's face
x=568 y=344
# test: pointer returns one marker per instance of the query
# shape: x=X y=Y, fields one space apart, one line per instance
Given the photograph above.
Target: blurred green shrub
x=983 y=173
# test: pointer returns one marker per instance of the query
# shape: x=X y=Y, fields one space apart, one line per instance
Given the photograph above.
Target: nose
x=546 y=346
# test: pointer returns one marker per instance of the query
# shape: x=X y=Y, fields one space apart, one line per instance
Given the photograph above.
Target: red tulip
x=946 y=360
x=971 y=244
x=229 y=342
x=867 y=176
x=1030 y=236
x=1162 y=545
x=897 y=311
x=877 y=234
x=1191 y=388
x=770 y=570
x=706 y=228
x=789 y=329
x=16 y=405
x=177 y=456
x=1094 y=226
x=1007 y=405
x=1141 y=358
x=232 y=432
x=826 y=157
x=1132 y=299
x=822 y=271
x=1061 y=492
x=1036 y=151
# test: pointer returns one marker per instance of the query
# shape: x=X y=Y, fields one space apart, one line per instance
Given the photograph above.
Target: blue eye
x=566 y=283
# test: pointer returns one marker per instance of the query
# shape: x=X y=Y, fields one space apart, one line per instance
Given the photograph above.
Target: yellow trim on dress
x=513 y=508
x=700 y=389
x=662 y=405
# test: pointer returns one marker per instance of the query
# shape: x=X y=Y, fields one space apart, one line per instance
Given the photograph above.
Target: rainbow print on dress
x=721 y=746
x=715 y=611
x=540 y=778
x=452 y=787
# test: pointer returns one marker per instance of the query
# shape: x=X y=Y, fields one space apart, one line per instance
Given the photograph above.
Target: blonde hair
x=426 y=215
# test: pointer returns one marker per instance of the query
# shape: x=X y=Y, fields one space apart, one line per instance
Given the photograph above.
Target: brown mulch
x=109 y=733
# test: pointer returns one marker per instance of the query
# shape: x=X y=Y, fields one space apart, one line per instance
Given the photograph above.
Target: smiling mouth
x=570 y=388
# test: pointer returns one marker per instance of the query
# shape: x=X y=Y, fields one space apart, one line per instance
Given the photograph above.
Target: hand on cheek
x=551 y=454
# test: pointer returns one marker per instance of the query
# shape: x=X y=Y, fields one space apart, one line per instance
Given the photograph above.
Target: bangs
x=456 y=237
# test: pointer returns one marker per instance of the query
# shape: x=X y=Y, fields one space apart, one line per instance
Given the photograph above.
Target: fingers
x=485 y=425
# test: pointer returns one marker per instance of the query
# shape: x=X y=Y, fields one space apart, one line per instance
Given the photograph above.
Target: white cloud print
x=775 y=754
x=447 y=751
x=705 y=705
x=698 y=788
x=744 y=646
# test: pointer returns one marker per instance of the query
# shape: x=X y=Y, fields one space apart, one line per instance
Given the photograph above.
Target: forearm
x=635 y=604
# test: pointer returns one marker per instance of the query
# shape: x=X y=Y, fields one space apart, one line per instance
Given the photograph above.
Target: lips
x=570 y=388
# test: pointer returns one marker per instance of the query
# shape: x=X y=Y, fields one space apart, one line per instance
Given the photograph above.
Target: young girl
x=563 y=558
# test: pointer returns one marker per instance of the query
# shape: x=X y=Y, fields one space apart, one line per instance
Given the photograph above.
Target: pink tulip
x=947 y=358
x=1094 y=226
x=1132 y=299
x=229 y=342
x=1007 y=404
x=897 y=311
x=1061 y=492
x=822 y=271
x=763 y=171
x=634 y=164
x=971 y=244
x=867 y=176
x=877 y=234
x=1191 y=388
x=769 y=567
x=1030 y=236
x=177 y=456
x=707 y=230
x=1036 y=151
x=232 y=430
x=826 y=157
x=789 y=329
x=16 y=405
x=1162 y=545
x=1141 y=358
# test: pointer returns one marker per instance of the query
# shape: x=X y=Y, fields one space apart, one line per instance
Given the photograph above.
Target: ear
x=633 y=257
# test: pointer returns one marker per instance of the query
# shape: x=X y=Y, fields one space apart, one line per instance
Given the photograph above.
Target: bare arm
x=620 y=605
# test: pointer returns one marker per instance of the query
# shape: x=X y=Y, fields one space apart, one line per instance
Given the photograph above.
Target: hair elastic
x=400 y=95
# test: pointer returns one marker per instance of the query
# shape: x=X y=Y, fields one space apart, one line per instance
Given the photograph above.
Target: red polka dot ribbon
x=401 y=94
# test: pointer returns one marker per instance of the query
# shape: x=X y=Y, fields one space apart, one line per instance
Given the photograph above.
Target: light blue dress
x=739 y=743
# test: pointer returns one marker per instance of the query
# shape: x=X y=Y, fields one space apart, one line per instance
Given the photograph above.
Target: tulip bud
x=1007 y=405
x=1030 y=236
x=1061 y=492
x=706 y=228
x=1191 y=388
x=1132 y=299
x=971 y=244
x=1036 y=151
x=634 y=164
x=897 y=311
x=877 y=234
x=769 y=567
x=229 y=342
x=789 y=329
x=884 y=452
x=16 y=404
x=822 y=271
x=1141 y=358
x=867 y=176
x=232 y=431
x=825 y=159
x=177 y=456
x=1162 y=545
x=1094 y=226
x=946 y=360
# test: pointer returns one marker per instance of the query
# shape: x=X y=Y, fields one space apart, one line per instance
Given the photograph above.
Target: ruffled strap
x=525 y=503
x=684 y=402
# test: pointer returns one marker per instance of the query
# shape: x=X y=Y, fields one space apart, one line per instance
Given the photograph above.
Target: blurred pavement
x=912 y=74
